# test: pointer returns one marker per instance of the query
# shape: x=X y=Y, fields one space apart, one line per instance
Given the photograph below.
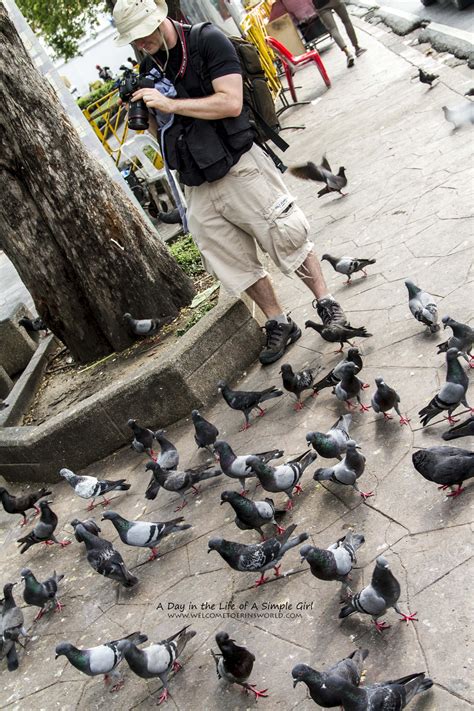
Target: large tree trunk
x=60 y=215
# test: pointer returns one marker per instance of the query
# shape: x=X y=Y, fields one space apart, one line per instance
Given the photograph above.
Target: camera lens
x=138 y=116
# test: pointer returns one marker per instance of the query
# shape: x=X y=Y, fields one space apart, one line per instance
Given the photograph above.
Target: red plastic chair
x=291 y=64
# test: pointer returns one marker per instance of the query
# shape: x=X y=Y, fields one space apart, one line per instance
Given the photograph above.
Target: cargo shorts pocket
x=289 y=230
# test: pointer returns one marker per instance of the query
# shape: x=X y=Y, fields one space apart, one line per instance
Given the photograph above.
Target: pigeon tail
x=347 y=610
x=269 y=393
x=296 y=541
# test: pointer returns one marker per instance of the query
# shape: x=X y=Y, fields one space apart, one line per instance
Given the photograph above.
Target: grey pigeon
x=44 y=530
x=179 y=482
x=348 y=265
x=205 y=433
x=142 y=533
x=257 y=557
x=236 y=467
x=333 y=377
x=234 y=664
x=103 y=659
x=464 y=429
x=8 y=650
x=168 y=457
x=158 y=660
x=143 y=327
x=42 y=595
x=252 y=514
x=104 y=559
x=142 y=439
x=322 y=174
x=423 y=306
x=20 y=504
x=446 y=466
x=393 y=695
x=89 y=524
x=349 y=669
x=298 y=382
x=382 y=592
x=349 y=387
x=246 y=401
x=459 y=115
x=332 y=444
x=335 y=562
x=347 y=471
x=426 y=77
x=386 y=398
x=285 y=477
x=12 y=620
x=338 y=332
x=452 y=393
x=89 y=487
x=462 y=339
x=469 y=92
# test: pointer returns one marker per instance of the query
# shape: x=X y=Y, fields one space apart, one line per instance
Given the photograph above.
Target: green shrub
x=187 y=255
x=104 y=89
x=197 y=316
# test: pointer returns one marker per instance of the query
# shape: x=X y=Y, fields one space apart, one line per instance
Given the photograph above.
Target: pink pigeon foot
x=451 y=420
x=366 y=494
x=289 y=505
x=245 y=426
x=404 y=420
x=37 y=511
x=116 y=687
x=24 y=522
x=365 y=386
x=176 y=666
x=298 y=406
x=277 y=570
x=105 y=502
x=380 y=626
x=365 y=408
x=64 y=543
x=48 y=543
x=59 y=606
x=349 y=404
x=163 y=696
x=262 y=579
x=180 y=508
x=153 y=554
x=408 y=618
x=195 y=490
x=387 y=417
x=280 y=530
x=39 y=615
x=458 y=491
x=261 y=411
x=298 y=489
x=262 y=694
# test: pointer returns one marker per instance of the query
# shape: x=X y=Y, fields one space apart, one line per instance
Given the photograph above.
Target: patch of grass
x=196 y=316
x=187 y=255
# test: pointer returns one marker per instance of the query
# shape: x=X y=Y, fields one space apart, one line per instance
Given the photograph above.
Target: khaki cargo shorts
x=249 y=206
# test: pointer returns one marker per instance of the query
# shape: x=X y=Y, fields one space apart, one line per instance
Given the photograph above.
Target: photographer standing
x=236 y=197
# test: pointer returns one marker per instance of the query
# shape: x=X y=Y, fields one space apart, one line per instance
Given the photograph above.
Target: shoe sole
x=276 y=356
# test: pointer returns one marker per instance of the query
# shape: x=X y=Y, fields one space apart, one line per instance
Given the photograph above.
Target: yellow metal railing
x=253 y=26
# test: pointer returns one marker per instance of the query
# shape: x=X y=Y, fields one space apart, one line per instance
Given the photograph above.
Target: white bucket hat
x=137 y=18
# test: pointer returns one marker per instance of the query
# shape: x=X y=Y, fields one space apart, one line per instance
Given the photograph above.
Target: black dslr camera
x=137 y=112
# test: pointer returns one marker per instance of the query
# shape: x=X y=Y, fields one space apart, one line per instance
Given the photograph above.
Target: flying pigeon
x=446 y=466
x=333 y=377
x=348 y=265
x=322 y=174
x=142 y=327
x=382 y=592
x=234 y=664
x=43 y=532
x=349 y=387
x=426 y=77
x=103 y=659
x=21 y=504
x=464 y=429
x=386 y=398
x=459 y=115
x=104 y=559
x=143 y=534
x=285 y=477
x=452 y=393
x=462 y=339
x=252 y=514
x=332 y=444
x=393 y=695
x=158 y=660
x=257 y=557
x=338 y=332
x=298 y=382
x=347 y=471
x=89 y=524
x=335 y=562
x=205 y=433
x=179 y=482
x=88 y=487
x=33 y=325
x=350 y=669
x=246 y=401
x=12 y=620
x=42 y=595
x=142 y=439
x=236 y=467
x=423 y=306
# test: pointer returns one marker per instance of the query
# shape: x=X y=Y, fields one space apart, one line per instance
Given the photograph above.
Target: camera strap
x=184 y=47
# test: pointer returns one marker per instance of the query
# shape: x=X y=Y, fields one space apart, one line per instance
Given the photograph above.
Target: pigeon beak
x=15 y=583
x=295 y=681
x=209 y=550
x=222 y=502
x=56 y=656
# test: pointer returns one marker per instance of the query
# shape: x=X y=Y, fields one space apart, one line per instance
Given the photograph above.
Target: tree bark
x=61 y=218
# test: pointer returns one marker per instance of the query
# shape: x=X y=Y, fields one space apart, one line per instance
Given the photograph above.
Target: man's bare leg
x=263 y=294
x=311 y=274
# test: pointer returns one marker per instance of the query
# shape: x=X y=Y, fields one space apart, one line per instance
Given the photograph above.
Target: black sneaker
x=279 y=337
x=329 y=311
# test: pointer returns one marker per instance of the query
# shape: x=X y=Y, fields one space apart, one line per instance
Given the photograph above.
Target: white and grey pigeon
x=446 y=466
x=376 y=598
x=347 y=471
x=333 y=443
x=12 y=620
x=335 y=562
x=168 y=457
x=386 y=398
x=423 y=306
x=205 y=433
x=144 y=534
x=348 y=265
x=252 y=515
x=142 y=327
x=350 y=669
x=42 y=595
x=297 y=382
x=158 y=660
x=349 y=386
x=104 y=559
x=258 y=557
x=236 y=466
x=452 y=394
x=234 y=664
x=285 y=477
x=392 y=695
x=103 y=659
x=462 y=339
x=460 y=114
x=89 y=487
x=142 y=439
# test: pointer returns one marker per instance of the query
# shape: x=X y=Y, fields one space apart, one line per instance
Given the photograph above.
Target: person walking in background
x=325 y=10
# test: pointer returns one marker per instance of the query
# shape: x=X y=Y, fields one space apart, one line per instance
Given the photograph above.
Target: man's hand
x=154 y=99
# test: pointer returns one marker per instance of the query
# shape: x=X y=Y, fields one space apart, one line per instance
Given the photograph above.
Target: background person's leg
x=327 y=18
x=341 y=10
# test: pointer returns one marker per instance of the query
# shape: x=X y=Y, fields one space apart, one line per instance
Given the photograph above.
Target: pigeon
x=459 y=115
x=350 y=669
x=469 y=92
x=423 y=307
x=142 y=327
x=246 y=401
x=103 y=659
x=334 y=375
x=464 y=429
x=168 y=457
x=143 y=534
x=285 y=477
x=393 y=695
x=348 y=265
x=12 y=620
x=236 y=467
x=338 y=332
x=462 y=339
x=33 y=325
x=89 y=524
x=332 y=444
x=205 y=433
x=252 y=514
x=297 y=383
x=158 y=660
x=322 y=174
x=42 y=595
x=88 y=487
x=452 y=393
x=142 y=439
x=43 y=532
x=104 y=559
x=8 y=650
x=346 y=472
x=386 y=398
x=382 y=592
x=234 y=664
x=349 y=387
x=446 y=466
x=427 y=78
x=335 y=562
x=179 y=481
x=257 y=557
x=20 y=504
